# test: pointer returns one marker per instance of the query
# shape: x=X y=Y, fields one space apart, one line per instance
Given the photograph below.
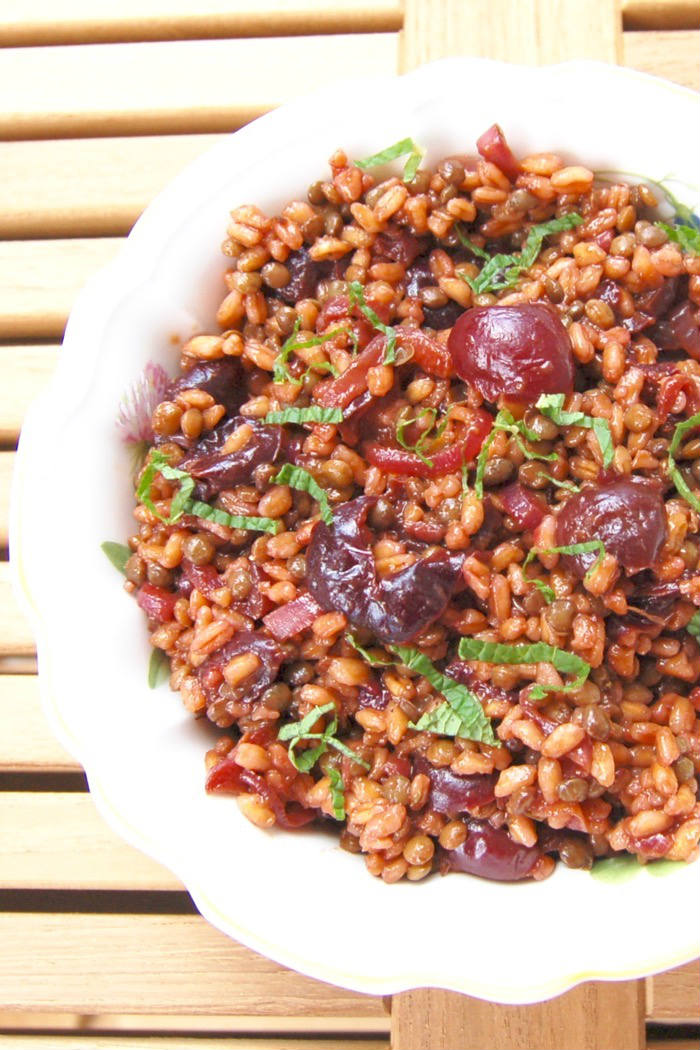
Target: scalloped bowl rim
x=94 y=310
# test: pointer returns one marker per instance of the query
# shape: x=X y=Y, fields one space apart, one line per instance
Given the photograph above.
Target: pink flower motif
x=137 y=405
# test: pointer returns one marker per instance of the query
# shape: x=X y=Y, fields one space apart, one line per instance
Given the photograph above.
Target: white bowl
x=297 y=897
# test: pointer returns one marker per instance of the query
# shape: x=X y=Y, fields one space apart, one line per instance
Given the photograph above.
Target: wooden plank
x=40 y=279
x=125 y=1042
x=16 y=638
x=183 y=86
x=88 y=187
x=6 y=466
x=362 y=1028
x=27 y=745
x=25 y=371
x=59 y=841
x=590 y=1017
x=533 y=31
x=673 y=1044
x=93 y=21
x=661 y=14
x=672 y=54
x=154 y=964
x=675 y=995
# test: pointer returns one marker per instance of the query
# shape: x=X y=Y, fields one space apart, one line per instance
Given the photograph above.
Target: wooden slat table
x=101 y=103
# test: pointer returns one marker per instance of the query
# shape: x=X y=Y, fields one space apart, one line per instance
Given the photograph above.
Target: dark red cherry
x=518 y=351
x=626 y=513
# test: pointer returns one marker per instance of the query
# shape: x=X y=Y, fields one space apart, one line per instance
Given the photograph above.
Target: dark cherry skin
x=626 y=513
x=210 y=673
x=223 y=379
x=341 y=576
x=157 y=603
x=491 y=853
x=228 y=778
x=451 y=793
x=493 y=147
x=522 y=505
x=519 y=352
x=421 y=276
x=215 y=470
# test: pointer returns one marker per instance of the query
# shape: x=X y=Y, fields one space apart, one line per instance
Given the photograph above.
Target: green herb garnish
x=547 y=592
x=356 y=294
x=536 y=653
x=588 y=547
x=693 y=625
x=182 y=503
x=312 y=414
x=503 y=271
x=673 y=469
x=232 y=521
x=688 y=237
x=117 y=553
x=479 y=252
x=399 y=149
x=337 y=792
x=404 y=421
x=281 y=373
x=551 y=405
x=300 y=479
x=517 y=429
x=461 y=715
x=568 y=485
x=465 y=479
x=373 y=661
x=295 y=732
x=158 y=668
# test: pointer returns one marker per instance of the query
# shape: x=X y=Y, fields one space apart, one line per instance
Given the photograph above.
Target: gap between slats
x=182 y=86
x=661 y=14
x=103 y=21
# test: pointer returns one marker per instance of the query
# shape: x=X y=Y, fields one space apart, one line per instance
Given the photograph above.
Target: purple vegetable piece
x=491 y=853
x=214 y=685
x=223 y=379
x=341 y=575
x=216 y=470
x=451 y=793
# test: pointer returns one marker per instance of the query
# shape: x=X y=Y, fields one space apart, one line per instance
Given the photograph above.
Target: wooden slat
x=59 y=841
x=661 y=14
x=26 y=742
x=201 y=85
x=598 y=1016
x=117 y=1042
x=16 y=638
x=6 y=465
x=86 y=21
x=25 y=371
x=518 y=31
x=675 y=995
x=672 y=54
x=87 y=187
x=154 y=964
x=40 y=279
x=673 y=1044
x=204 y=1024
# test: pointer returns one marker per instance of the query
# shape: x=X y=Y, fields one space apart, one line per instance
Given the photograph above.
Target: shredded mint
x=281 y=373
x=503 y=271
x=158 y=668
x=688 y=237
x=551 y=405
x=536 y=653
x=547 y=592
x=337 y=792
x=673 y=470
x=430 y=432
x=312 y=414
x=357 y=298
x=295 y=732
x=232 y=521
x=588 y=547
x=117 y=553
x=693 y=625
x=465 y=479
x=399 y=149
x=517 y=429
x=474 y=248
x=372 y=660
x=569 y=486
x=300 y=479
x=182 y=503
x=460 y=715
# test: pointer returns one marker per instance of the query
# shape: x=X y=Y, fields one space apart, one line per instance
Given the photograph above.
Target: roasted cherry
x=518 y=351
x=626 y=513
